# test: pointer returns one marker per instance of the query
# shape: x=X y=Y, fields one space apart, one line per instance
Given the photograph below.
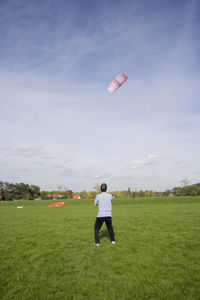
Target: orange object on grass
x=57 y=204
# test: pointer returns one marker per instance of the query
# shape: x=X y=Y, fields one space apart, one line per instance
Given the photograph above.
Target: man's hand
x=95 y=204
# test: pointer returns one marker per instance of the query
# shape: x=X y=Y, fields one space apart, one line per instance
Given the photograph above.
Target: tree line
x=19 y=191
x=188 y=190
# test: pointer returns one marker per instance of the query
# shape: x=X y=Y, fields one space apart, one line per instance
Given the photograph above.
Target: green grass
x=48 y=253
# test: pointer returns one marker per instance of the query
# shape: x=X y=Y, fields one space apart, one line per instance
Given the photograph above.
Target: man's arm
x=95 y=201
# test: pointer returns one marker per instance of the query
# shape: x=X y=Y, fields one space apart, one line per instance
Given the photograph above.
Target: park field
x=48 y=253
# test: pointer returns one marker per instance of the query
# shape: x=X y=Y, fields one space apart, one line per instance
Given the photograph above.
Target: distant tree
x=1 y=185
x=185 y=182
x=133 y=194
x=121 y=194
x=167 y=193
x=97 y=188
x=94 y=194
x=44 y=194
x=176 y=191
x=69 y=193
x=117 y=194
x=35 y=190
x=83 y=194
x=2 y=191
x=11 y=191
x=141 y=193
x=191 y=190
x=187 y=190
x=89 y=195
x=129 y=192
x=149 y=193
x=25 y=191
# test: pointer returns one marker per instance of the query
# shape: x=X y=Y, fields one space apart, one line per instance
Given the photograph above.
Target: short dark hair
x=103 y=187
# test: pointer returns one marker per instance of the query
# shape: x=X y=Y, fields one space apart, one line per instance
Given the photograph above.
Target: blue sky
x=59 y=124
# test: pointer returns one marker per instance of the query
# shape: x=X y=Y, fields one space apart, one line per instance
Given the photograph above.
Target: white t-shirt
x=104 y=202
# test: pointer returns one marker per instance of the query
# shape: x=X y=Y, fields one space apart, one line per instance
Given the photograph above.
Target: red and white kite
x=117 y=82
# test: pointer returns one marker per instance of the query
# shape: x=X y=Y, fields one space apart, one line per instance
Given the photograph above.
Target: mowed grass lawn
x=49 y=252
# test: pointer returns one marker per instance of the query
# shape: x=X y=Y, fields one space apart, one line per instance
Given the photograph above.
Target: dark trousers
x=97 y=227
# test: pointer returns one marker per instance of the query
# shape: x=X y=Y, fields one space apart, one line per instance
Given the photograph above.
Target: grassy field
x=48 y=253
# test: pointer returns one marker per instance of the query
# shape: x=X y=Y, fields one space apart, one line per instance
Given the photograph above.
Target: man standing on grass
x=104 y=202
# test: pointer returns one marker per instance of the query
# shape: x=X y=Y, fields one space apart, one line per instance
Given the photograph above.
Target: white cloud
x=101 y=176
x=46 y=157
x=41 y=164
x=68 y=172
x=5 y=149
x=142 y=162
x=23 y=151
x=57 y=166
x=24 y=170
x=27 y=151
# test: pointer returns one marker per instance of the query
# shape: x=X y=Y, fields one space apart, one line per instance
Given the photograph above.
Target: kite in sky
x=117 y=82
